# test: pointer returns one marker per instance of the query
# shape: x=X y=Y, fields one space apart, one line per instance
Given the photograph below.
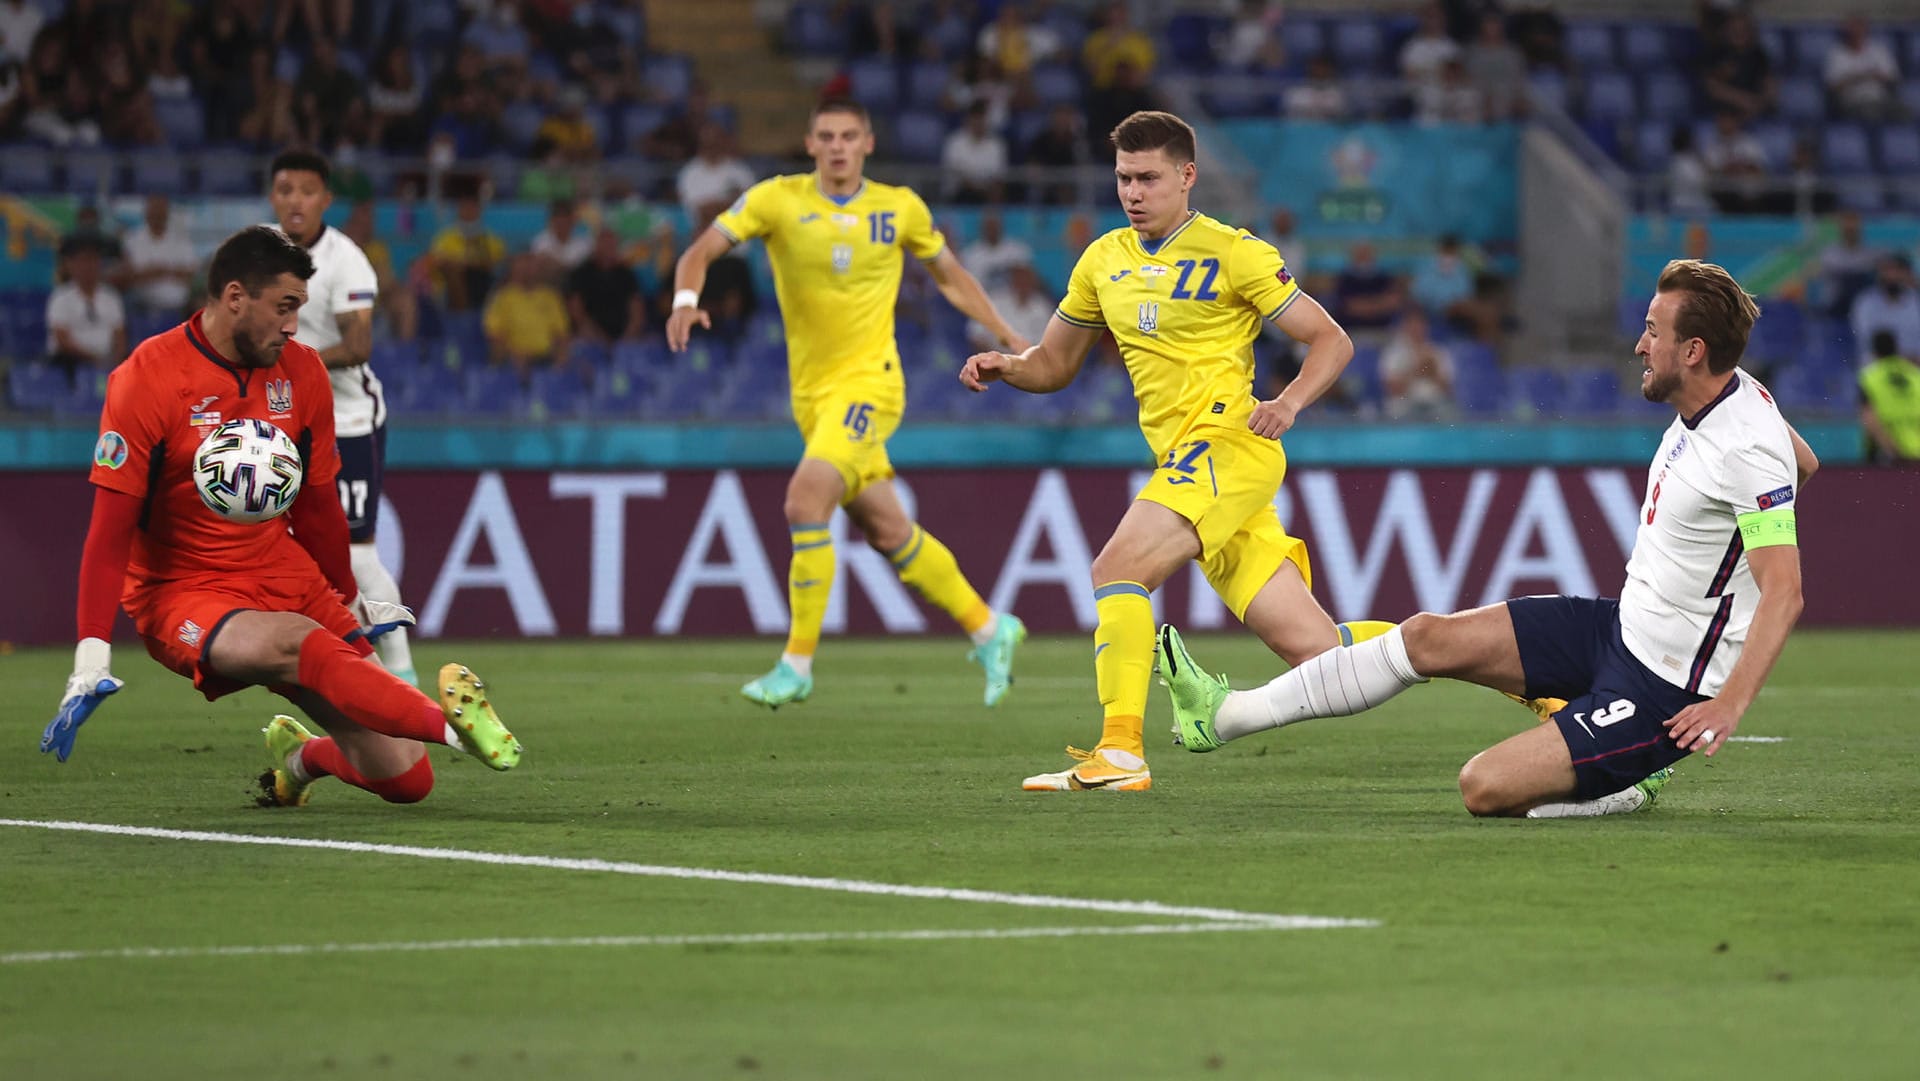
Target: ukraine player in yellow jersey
x=836 y=240
x=1184 y=295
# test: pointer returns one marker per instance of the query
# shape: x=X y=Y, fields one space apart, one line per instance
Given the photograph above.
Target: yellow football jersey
x=1185 y=310
x=836 y=269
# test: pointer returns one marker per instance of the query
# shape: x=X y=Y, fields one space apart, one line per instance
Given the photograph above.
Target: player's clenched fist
x=983 y=368
x=1272 y=419
x=680 y=326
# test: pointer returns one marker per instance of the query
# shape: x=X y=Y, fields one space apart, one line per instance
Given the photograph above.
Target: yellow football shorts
x=848 y=427
x=1224 y=482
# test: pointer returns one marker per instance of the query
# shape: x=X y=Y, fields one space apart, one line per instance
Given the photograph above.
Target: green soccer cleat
x=996 y=655
x=463 y=699
x=1651 y=786
x=278 y=786
x=1197 y=696
x=778 y=687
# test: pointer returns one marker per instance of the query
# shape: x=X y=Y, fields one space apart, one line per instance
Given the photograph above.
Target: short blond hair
x=1714 y=309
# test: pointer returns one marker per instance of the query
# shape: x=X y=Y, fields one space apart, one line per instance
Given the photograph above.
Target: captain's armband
x=1767 y=528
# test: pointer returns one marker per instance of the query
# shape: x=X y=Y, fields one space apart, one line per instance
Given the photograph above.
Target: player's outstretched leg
x=300 y=758
x=376 y=583
x=996 y=655
x=469 y=713
x=1636 y=797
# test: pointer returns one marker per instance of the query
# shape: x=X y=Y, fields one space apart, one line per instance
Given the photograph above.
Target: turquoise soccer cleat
x=996 y=655
x=1197 y=696
x=778 y=687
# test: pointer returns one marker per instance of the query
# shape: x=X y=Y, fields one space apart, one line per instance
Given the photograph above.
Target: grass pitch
x=1762 y=921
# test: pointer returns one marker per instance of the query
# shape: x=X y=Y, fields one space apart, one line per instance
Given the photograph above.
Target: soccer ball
x=247 y=471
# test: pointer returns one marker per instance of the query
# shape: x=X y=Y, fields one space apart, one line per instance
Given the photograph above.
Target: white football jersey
x=1690 y=596
x=343 y=281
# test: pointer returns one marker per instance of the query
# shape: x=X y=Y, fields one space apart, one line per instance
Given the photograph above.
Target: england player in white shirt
x=1713 y=588
x=337 y=320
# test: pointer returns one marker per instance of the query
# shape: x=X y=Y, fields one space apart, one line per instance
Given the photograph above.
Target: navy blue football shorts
x=1570 y=647
x=363 y=463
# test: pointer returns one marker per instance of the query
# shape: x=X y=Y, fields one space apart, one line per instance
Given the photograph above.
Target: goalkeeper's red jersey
x=161 y=402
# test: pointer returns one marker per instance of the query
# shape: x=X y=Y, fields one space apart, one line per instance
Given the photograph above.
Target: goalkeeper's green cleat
x=1197 y=696
x=463 y=699
x=1651 y=786
x=996 y=655
x=278 y=786
x=778 y=687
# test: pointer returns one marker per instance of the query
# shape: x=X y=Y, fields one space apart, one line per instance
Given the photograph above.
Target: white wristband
x=685 y=298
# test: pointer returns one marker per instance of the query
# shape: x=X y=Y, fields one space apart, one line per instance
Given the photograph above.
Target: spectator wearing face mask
x=1891 y=305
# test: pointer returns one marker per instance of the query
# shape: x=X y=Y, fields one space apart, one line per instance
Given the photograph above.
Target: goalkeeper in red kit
x=273 y=604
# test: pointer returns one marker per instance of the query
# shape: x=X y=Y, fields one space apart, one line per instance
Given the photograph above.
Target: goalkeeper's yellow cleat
x=278 y=786
x=1543 y=708
x=1094 y=770
x=463 y=699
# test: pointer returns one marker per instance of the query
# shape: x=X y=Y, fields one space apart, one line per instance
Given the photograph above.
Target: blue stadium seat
x=1479 y=391
x=1865 y=194
x=1189 y=41
x=1780 y=334
x=1900 y=150
x=926 y=84
x=813 y=31
x=1810 y=47
x=1056 y=85
x=684 y=397
x=493 y=390
x=425 y=390
x=1591 y=47
x=639 y=121
x=1844 y=149
x=1592 y=391
x=1646 y=47
x=1653 y=145
x=1540 y=390
x=394 y=357
x=1669 y=95
x=1363 y=375
x=1810 y=387
x=919 y=135
x=618 y=393
x=1304 y=38
x=157 y=172
x=1610 y=98
x=643 y=356
x=558 y=392
x=228 y=172
x=669 y=77
x=26 y=168
x=1359 y=46
x=1549 y=89
x=874 y=83
x=1068 y=24
x=1910 y=92
x=144 y=325
x=37 y=387
x=519 y=122
x=184 y=121
x=1802 y=100
x=1777 y=140
x=93 y=172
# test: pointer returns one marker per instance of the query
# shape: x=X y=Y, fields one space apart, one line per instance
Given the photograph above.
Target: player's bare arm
x=1805 y=462
x=1328 y=351
x=963 y=291
x=356 y=340
x=1706 y=725
x=1042 y=368
x=689 y=277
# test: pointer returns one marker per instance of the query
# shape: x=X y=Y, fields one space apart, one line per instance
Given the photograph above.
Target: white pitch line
x=1756 y=739
x=755 y=878
x=771 y=938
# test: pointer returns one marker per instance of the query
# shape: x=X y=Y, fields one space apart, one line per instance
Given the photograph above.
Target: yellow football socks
x=809 y=581
x=930 y=569
x=1360 y=630
x=1123 y=662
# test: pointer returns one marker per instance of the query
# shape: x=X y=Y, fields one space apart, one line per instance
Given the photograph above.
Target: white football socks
x=985 y=634
x=1337 y=683
x=801 y=663
x=1625 y=801
x=378 y=585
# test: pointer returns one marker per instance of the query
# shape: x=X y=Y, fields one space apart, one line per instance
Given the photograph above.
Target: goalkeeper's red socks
x=322 y=757
x=368 y=694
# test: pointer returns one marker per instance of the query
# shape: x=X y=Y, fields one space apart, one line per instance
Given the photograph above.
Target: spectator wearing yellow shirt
x=1117 y=42
x=467 y=256
x=568 y=134
x=526 y=321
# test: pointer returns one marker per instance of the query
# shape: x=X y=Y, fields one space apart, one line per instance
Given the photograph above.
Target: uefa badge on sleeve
x=111 y=450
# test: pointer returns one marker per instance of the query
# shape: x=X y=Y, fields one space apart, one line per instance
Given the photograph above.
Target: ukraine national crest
x=1149 y=316
x=279 y=396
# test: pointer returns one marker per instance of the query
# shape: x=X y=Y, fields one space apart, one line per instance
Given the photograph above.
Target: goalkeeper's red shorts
x=179 y=620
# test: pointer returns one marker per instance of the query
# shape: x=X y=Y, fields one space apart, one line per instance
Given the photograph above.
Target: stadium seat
x=640 y=357
x=639 y=121
x=1359 y=46
x=1781 y=334
x=1479 y=391
x=813 y=31
x=425 y=390
x=1549 y=90
x=1056 y=85
x=1653 y=145
x=1069 y=26
x=919 y=135
x=37 y=387
x=1646 y=47
x=557 y=392
x=1188 y=37
x=1362 y=376
x=393 y=357
x=228 y=172
x=1669 y=95
x=1900 y=150
x=1304 y=38
x=683 y=397
x=1910 y=92
x=1774 y=40
x=1810 y=387
x=1865 y=194
x=1811 y=44
x=874 y=82
x=1540 y=391
x=926 y=84
x=1777 y=140
x=618 y=393
x=1844 y=149
x=493 y=390
x=1592 y=391
x=669 y=77
x=26 y=168
x=1610 y=98
x=93 y=172
x=519 y=122
x=184 y=121
x=1802 y=100
x=1591 y=48
x=157 y=172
